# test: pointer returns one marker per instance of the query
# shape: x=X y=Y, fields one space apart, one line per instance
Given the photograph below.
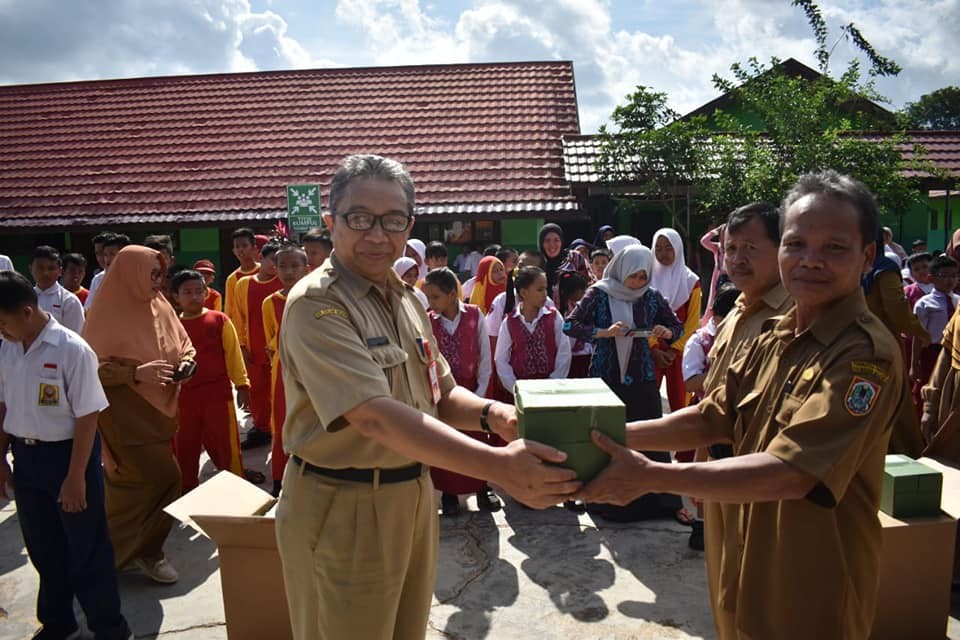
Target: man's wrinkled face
x=750 y=259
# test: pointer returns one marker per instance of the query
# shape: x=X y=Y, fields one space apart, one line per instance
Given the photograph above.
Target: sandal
x=684 y=517
x=254 y=476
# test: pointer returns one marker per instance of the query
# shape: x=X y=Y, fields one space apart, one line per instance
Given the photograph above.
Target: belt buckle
x=376 y=478
x=31 y=442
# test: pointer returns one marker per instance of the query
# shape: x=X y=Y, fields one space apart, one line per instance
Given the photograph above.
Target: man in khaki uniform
x=366 y=390
x=751 y=241
x=808 y=409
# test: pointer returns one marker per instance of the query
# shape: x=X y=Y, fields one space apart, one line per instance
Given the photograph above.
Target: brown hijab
x=130 y=323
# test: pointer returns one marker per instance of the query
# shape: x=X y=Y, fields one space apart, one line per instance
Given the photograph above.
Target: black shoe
x=44 y=633
x=255 y=438
x=276 y=488
x=449 y=505
x=696 y=536
x=575 y=505
x=487 y=500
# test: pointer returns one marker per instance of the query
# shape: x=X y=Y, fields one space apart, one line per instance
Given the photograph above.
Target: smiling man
x=369 y=401
x=808 y=411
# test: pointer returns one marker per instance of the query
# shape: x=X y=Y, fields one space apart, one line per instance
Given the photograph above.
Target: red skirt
x=580 y=366
x=457 y=484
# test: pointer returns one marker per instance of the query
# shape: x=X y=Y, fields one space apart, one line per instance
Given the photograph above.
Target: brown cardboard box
x=915 y=570
x=238 y=517
x=949 y=501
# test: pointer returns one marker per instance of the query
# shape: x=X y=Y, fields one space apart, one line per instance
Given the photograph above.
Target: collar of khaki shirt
x=831 y=322
x=773 y=298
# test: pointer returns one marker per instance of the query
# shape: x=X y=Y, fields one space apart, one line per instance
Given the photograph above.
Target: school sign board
x=303 y=207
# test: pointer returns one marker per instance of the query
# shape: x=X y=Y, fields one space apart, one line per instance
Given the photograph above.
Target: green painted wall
x=939 y=237
x=520 y=234
x=199 y=243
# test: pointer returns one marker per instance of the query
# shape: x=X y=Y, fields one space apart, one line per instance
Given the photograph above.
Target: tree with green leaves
x=806 y=124
x=939 y=110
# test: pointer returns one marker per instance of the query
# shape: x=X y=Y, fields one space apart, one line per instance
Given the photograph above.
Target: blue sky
x=673 y=46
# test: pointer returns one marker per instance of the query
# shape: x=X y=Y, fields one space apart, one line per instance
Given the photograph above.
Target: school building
x=198 y=156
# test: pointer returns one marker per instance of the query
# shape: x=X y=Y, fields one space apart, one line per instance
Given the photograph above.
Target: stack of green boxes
x=562 y=413
x=910 y=489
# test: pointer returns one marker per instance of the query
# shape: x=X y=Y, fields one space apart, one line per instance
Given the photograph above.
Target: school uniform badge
x=49 y=395
x=861 y=396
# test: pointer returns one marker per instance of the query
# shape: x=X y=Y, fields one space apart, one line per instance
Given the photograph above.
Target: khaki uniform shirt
x=343 y=342
x=824 y=402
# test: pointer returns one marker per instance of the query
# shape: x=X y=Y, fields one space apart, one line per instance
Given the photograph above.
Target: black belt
x=386 y=476
x=33 y=442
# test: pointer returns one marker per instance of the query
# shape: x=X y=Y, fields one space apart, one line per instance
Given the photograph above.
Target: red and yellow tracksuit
x=230 y=292
x=213 y=301
x=208 y=416
x=272 y=318
x=251 y=293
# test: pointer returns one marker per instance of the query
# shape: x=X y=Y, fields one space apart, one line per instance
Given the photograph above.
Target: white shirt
x=485 y=366
x=5 y=263
x=62 y=305
x=694 y=357
x=495 y=316
x=933 y=311
x=422 y=297
x=467 y=288
x=561 y=367
x=94 y=285
x=51 y=385
x=888 y=252
x=471 y=261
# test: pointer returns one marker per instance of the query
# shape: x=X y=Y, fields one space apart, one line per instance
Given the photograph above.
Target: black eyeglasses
x=390 y=222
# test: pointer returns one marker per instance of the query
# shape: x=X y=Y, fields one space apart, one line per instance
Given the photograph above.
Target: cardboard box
x=238 y=516
x=910 y=488
x=950 y=502
x=916 y=562
x=562 y=413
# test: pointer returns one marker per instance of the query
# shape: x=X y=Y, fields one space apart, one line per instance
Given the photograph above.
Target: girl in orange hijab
x=491 y=281
x=143 y=351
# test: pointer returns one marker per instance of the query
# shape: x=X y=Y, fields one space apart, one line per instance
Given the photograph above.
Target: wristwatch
x=483 y=416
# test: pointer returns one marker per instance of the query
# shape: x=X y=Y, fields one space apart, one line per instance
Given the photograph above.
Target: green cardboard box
x=911 y=489
x=562 y=413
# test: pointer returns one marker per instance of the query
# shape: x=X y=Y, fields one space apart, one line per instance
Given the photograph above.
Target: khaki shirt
x=343 y=342
x=824 y=402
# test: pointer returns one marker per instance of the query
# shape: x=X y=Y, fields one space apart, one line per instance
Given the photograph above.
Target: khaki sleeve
x=828 y=434
x=719 y=407
x=323 y=354
x=931 y=391
x=896 y=308
x=115 y=374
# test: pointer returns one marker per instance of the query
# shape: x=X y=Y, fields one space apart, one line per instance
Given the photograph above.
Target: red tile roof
x=479 y=139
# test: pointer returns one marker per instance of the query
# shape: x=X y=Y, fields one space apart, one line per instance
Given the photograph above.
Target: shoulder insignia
x=861 y=396
x=331 y=311
x=869 y=368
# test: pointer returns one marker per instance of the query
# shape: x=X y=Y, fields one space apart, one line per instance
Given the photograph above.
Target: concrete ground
x=513 y=574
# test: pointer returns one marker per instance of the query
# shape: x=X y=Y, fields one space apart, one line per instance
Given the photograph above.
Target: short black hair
x=290 y=247
x=271 y=247
x=46 y=252
x=601 y=252
x=318 y=235
x=16 y=292
x=185 y=275
x=844 y=188
x=102 y=237
x=768 y=214
x=436 y=250
x=918 y=242
x=74 y=258
x=117 y=240
x=942 y=262
x=918 y=257
x=442 y=278
x=725 y=298
x=159 y=243
x=491 y=250
x=531 y=254
x=527 y=276
x=505 y=252
x=244 y=232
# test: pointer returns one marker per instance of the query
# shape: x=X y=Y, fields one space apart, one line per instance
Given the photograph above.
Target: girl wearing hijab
x=491 y=281
x=607 y=315
x=681 y=288
x=418 y=251
x=408 y=270
x=144 y=354
x=604 y=233
x=551 y=247
x=618 y=243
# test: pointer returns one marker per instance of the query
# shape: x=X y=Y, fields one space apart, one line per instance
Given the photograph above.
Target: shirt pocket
x=389 y=357
x=746 y=412
x=788 y=407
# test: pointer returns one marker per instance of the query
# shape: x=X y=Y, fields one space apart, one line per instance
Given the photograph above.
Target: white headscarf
x=402 y=265
x=619 y=243
x=628 y=261
x=421 y=249
x=677 y=281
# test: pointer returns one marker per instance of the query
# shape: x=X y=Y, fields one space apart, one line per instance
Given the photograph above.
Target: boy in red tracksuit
x=246 y=251
x=251 y=292
x=207 y=414
x=292 y=264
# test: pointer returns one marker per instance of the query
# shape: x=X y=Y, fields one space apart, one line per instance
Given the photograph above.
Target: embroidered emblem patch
x=49 y=395
x=331 y=311
x=861 y=396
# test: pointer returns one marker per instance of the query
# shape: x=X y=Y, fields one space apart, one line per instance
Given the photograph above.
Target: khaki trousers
x=358 y=561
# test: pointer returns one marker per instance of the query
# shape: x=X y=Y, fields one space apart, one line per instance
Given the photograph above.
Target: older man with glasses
x=370 y=403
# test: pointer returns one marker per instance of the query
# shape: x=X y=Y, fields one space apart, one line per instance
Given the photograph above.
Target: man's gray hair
x=844 y=188
x=370 y=166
